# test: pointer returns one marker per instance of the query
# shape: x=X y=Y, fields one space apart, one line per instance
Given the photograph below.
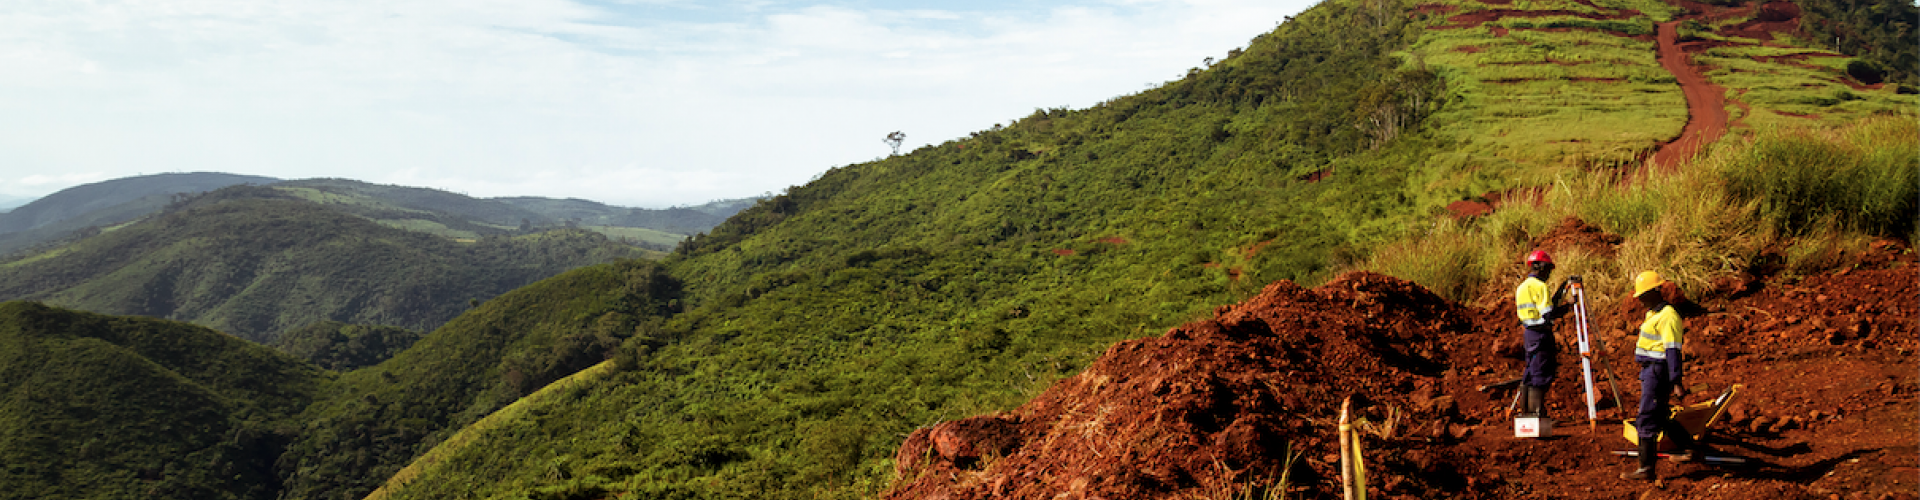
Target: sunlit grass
x=1807 y=198
x=458 y=443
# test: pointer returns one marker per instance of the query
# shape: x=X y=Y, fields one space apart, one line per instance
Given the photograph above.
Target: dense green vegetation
x=374 y=420
x=96 y=406
x=249 y=262
x=679 y=220
x=1880 y=32
x=341 y=347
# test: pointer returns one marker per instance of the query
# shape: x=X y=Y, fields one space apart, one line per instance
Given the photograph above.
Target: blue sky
x=633 y=102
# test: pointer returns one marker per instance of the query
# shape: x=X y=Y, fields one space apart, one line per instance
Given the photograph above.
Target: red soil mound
x=1575 y=233
x=1827 y=412
x=1221 y=401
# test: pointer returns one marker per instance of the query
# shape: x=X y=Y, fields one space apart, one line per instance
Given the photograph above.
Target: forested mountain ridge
x=104 y=204
x=95 y=406
x=460 y=216
x=253 y=262
x=374 y=420
x=67 y=215
x=681 y=220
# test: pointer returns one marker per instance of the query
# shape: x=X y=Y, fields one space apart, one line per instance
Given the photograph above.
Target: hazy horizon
x=650 y=103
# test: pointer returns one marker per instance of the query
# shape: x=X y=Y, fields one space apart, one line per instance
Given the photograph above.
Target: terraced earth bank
x=1243 y=405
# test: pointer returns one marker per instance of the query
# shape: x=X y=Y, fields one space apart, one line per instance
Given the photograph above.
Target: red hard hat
x=1539 y=256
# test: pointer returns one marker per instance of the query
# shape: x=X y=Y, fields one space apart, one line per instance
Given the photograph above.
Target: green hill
x=343 y=347
x=829 y=322
x=96 y=406
x=678 y=220
x=374 y=420
x=251 y=262
x=459 y=216
x=104 y=204
x=77 y=212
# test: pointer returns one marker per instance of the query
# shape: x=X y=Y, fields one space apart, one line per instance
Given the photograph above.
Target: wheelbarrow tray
x=1695 y=418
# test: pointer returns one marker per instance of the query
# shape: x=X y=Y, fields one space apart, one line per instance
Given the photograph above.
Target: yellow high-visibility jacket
x=1662 y=331
x=1533 y=302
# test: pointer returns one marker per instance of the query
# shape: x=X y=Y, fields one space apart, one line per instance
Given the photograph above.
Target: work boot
x=1649 y=457
x=1535 y=396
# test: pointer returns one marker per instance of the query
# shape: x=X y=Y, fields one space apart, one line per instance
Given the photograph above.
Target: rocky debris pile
x=1220 y=403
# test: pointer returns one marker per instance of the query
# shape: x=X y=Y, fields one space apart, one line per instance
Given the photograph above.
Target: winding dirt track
x=1706 y=103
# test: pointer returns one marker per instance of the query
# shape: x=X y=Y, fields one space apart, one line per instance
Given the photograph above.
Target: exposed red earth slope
x=1828 y=411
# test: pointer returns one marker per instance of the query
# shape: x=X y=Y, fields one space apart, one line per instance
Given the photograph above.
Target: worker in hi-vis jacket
x=1662 y=366
x=1537 y=310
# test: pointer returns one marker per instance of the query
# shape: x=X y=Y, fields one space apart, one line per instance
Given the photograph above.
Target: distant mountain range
x=104 y=204
x=109 y=203
x=257 y=261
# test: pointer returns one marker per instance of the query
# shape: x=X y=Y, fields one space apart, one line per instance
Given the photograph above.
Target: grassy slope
x=415 y=209
x=959 y=278
x=96 y=406
x=373 y=420
x=256 y=267
x=834 y=319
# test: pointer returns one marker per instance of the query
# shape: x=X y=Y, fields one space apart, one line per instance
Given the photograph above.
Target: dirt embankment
x=1828 y=409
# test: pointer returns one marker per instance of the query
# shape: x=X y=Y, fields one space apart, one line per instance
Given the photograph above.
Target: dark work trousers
x=1543 y=357
x=1656 y=384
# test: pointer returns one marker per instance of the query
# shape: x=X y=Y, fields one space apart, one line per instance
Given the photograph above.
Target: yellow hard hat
x=1647 y=280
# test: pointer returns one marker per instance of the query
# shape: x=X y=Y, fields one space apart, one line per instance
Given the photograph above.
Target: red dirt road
x=1706 y=103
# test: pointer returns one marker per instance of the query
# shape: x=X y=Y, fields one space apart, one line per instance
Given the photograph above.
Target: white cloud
x=637 y=103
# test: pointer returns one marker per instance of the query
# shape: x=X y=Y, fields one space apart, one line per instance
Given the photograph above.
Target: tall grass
x=1866 y=178
x=1452 y=259
x=1803 y=198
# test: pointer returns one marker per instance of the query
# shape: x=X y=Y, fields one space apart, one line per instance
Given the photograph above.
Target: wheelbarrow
x=1695 y=418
